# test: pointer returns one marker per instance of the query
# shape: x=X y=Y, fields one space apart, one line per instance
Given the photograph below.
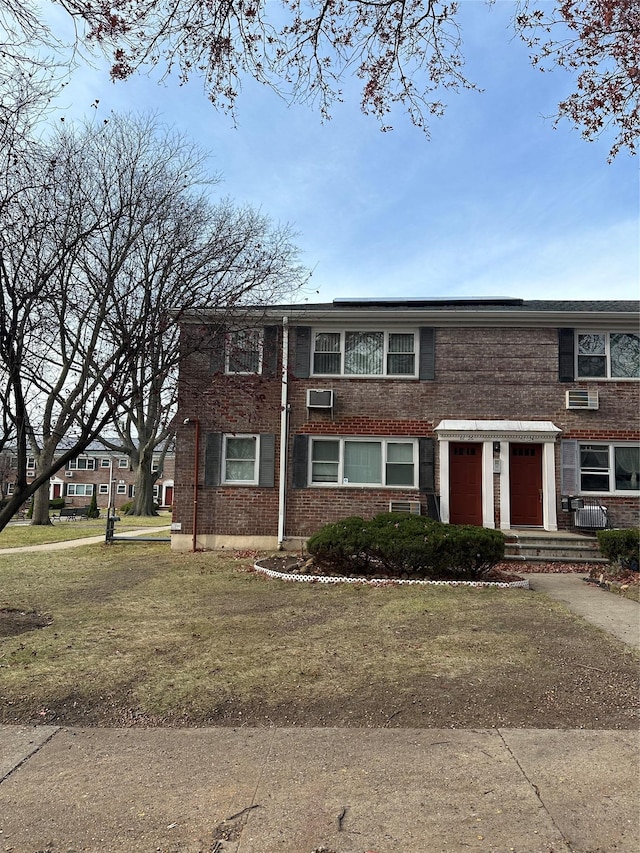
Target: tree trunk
x=41 y=505
x=145 y=481
x=44 y=460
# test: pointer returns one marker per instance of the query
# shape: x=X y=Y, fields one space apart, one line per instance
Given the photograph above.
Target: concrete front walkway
x=614 y=614
x=284 y=790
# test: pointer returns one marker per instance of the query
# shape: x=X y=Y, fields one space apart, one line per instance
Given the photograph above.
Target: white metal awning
x=467 y=430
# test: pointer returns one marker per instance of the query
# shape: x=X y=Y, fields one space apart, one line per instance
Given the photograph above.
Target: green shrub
x=125 y=509
x=56 y=503
x=396 y=544
x=621 y=546
x=93 y=512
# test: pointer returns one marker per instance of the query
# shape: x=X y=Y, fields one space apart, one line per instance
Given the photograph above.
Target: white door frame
x=504 y=432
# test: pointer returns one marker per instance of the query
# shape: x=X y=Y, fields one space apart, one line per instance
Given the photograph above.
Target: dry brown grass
x=141 y=635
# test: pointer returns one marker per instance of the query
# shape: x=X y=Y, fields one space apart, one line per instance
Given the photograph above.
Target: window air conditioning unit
x=30 y=472
x=582 y=398
x=412 y=507
x=68 y=473
x=592 y=517
x=319 y=399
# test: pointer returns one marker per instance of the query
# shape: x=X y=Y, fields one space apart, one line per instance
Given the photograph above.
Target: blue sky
x=496 y=203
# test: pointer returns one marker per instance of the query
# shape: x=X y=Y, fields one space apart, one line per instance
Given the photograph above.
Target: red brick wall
x=485 y=374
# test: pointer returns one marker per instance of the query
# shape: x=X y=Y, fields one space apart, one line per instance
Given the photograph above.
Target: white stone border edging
x=292 y=576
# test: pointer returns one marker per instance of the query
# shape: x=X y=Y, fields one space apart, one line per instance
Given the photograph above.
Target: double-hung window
x=609 y=468
x=243 y=351
x=82 y=463
x=79 y=489
x=607 y=355
x=240 y=459
x=364 y=353
x=364 y=462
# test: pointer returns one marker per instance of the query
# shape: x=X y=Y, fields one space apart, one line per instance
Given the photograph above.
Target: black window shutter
x=267 y=466
x=216 y=352
x=426 y=464
x=270 y=351
x=212 y=458
x=566 y=361
x=427 y=354
x=300 y=459
x=303 y=352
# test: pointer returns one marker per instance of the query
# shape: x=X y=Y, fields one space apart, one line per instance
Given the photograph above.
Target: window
x=363 y=462
x=103 y=489
x=121 y=489
x=82 y=464
x=123 y=462
x=243 y=351
x=608 y=355
x=31 y=463
x=240 y=458
x=11 y=488
x=79 y=489
x=105 y=463
x=156 y=492
x=609 y=468
x=374 y=353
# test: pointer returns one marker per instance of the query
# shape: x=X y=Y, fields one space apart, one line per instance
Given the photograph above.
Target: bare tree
x=197 y=255
x=405 y=52
x=118 y=232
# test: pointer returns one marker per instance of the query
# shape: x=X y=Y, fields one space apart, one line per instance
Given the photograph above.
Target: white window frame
x=123 y=462
x=611 y=471
x=89 y=466
x=384 y=442
x=256 y=461
x=606 y=356
x=103 y=489
x=11 y=487
x=72 y=490
x=31 y=463
x=385 y=353
x=259 y=333
x=105 y=462
x=121 y=489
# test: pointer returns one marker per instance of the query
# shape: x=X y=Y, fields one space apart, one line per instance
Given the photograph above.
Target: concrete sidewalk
x=298 y=790
x=616 y=615
x=77 y=543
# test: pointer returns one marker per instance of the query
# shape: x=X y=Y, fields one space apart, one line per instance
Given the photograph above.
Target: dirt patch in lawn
x=14 y=622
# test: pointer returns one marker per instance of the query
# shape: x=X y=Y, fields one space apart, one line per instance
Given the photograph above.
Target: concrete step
x=549 y=548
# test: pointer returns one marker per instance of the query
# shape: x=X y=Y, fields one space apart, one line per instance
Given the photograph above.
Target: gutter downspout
x=284 y=432
x=196 y=453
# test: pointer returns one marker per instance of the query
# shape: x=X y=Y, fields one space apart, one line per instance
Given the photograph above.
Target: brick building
x=93 y=471
x=478 y=411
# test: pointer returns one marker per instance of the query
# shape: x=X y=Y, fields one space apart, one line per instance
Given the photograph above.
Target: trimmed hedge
x=56 y=503
x=397 y=545
x=621 y=546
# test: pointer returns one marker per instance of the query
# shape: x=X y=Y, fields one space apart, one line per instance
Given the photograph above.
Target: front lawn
x=137 y=635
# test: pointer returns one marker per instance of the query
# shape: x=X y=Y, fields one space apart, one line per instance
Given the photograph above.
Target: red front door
x=168 y=496
x=465 y=483
x=525 y=484
x=57 y=490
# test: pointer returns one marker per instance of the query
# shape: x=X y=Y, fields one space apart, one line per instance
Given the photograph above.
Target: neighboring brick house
x=479 y=411
x=93 y=470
